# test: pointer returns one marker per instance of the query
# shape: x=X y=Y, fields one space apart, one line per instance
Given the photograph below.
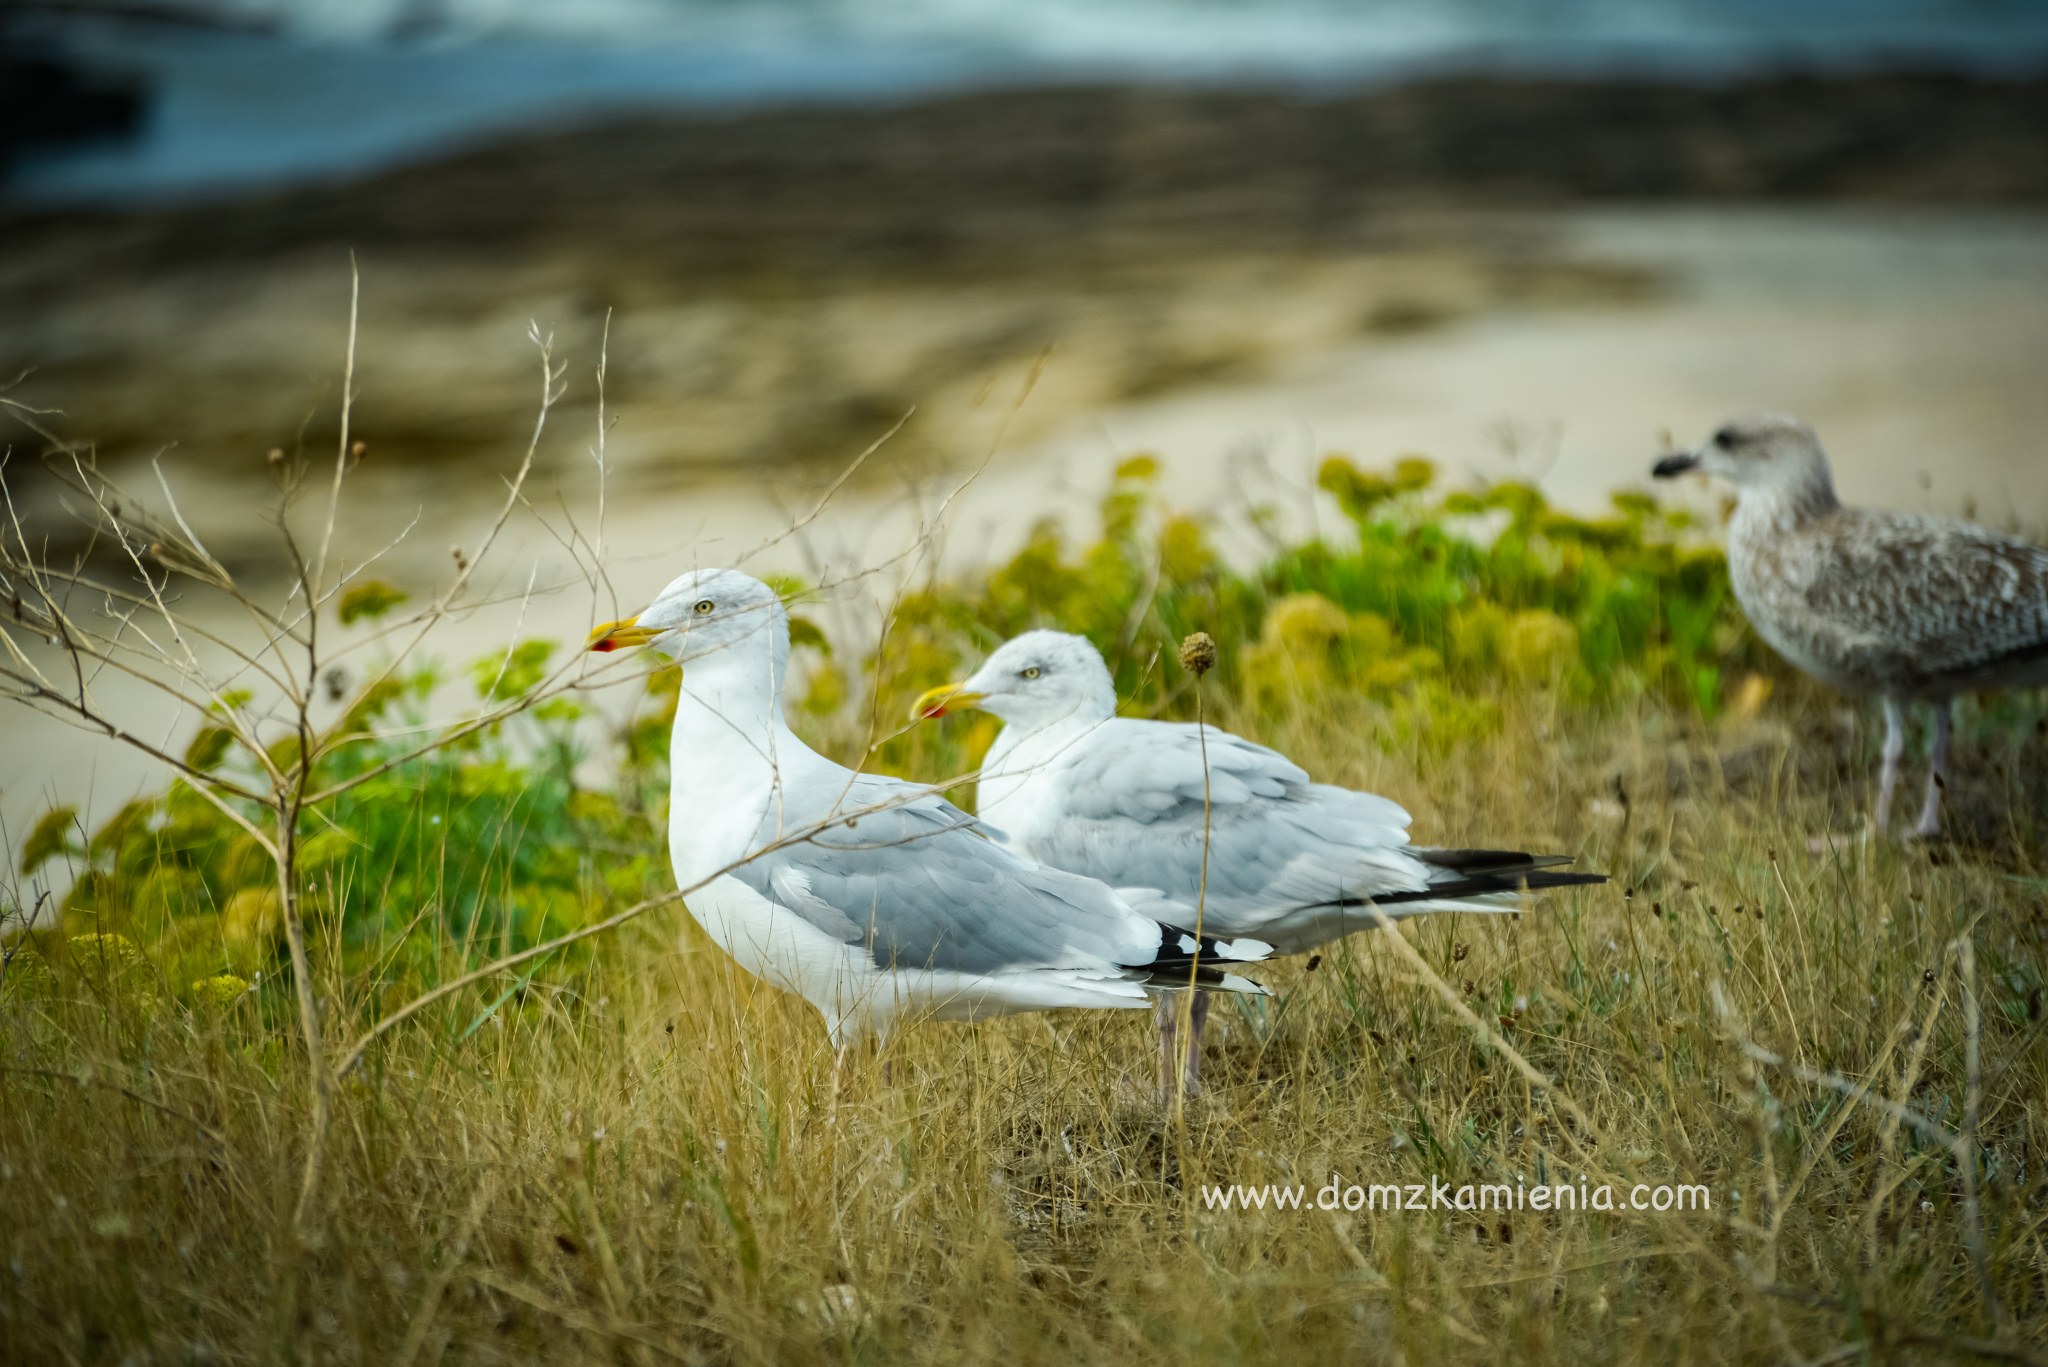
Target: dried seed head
x=1198 y=653
x=461 y=560
x=275 y=455
x=356 y=449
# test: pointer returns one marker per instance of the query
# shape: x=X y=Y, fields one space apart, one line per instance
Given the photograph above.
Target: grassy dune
x=632 y=1151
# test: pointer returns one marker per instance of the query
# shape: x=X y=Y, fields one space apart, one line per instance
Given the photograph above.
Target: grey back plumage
x=916 y=880
x=1133 y=817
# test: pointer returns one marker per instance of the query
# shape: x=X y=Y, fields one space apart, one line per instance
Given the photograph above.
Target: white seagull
x=1294 y=863
x=870 y=897
x=1904 y=606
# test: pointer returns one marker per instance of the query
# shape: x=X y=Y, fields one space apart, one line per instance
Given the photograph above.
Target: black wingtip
x=1489 y=861
x=1494 y=873
x=1484 y=871
x=1183 y=957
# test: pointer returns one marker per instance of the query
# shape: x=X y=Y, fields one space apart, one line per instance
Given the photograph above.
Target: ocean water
x=270 y=92
x=1205 y=33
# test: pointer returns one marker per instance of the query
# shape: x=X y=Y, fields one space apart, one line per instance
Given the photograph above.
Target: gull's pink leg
x=1929 y=824
x=1894 y=751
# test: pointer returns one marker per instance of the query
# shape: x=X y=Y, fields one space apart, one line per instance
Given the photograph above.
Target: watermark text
x=1437 y=1194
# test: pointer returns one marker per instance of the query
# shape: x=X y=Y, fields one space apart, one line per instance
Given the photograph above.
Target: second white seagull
x=1293 y=862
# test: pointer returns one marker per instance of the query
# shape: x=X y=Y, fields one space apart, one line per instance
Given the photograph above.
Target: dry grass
x=658 y=1165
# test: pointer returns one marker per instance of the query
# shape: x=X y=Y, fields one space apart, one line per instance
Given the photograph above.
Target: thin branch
x=1973 y=1106
x=429 y=617
x=86 y=1079
x=825 y=499
x=1858 y=1093
x=354 y=1054
x=156 y=463
x=200 y=779
x=348 y=394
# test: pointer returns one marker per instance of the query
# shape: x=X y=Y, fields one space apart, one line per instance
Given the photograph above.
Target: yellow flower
x=1304 y=621
x=111 y=960
x=1308 y=643
x=107 y=950
x=1477 y=633
x=1295 y=647
x=221 y=989
x=1538 y=644
x=1412 y=473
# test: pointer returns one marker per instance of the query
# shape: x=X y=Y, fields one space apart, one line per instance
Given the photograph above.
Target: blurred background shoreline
x=253 y=93
x=1530 y=241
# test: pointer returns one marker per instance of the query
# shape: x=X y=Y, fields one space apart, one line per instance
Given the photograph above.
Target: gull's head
x=1039 y=678
x=701 y=613
x=1760 y=452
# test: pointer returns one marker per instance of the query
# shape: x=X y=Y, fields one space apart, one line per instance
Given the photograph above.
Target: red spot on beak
x=606 y=646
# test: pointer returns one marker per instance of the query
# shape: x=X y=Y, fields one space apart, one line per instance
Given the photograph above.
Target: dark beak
x=1674 y=465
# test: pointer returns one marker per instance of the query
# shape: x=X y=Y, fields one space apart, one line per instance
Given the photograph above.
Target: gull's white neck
x=1024 y=752
x=728 y=755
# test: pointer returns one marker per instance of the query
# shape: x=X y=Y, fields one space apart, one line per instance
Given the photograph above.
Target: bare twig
x=87 y=1079
x=825 y=499
x=348 y=396
x=1973 y=1105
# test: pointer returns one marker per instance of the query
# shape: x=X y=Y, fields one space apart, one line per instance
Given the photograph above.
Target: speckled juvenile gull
x=1290 y=861
x=1904 y=606
x=870 y=897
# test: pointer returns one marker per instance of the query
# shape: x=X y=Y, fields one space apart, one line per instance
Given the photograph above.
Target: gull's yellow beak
x=939 y=701
x=618 y=635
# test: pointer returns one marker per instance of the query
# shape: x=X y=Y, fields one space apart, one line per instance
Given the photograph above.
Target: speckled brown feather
x=1904 y=605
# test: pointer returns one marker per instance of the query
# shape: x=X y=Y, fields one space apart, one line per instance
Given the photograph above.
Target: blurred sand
x=1915 y=340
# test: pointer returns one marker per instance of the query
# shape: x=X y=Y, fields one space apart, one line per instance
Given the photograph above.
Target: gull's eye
x=704 y=605
x=1725 y=439
x=1030 y=673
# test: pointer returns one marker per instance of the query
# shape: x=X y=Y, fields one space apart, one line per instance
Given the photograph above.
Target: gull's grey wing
x=1131 y=799
x=1919 y=603
x=909 y=875
x=1151 y=771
